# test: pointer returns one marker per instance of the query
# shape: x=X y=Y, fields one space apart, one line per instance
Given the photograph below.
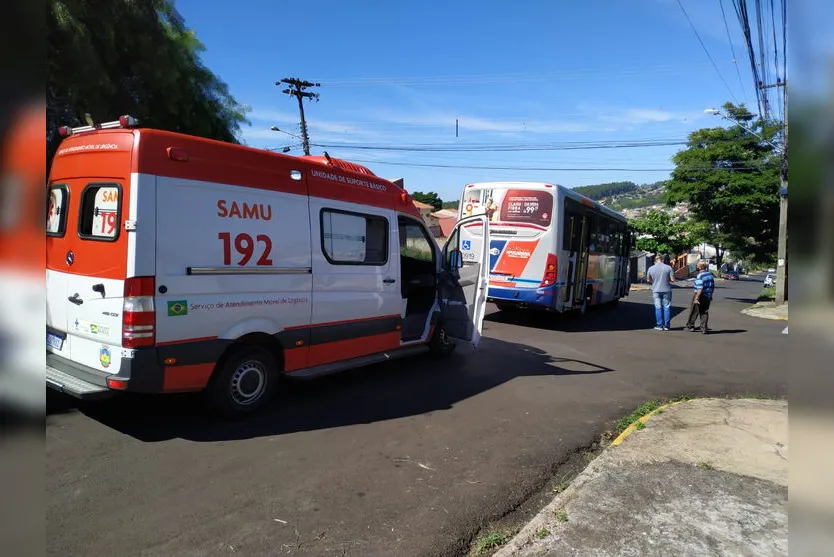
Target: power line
x=732 y=49
x=744 y=22
x=503 y=148
x=763 y=62
x=544 y=169
x=714 y=65
x=499 y=78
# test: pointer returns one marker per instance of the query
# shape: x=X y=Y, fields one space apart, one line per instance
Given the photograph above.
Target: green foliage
x=600 y=191
x=430 y=198
x=639 y=412
x=665 y=236
x=730 y=177
x=117 y=57
x=451 y=205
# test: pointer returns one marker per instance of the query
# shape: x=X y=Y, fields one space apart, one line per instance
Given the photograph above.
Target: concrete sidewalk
x=702 y=477
x=768 y=310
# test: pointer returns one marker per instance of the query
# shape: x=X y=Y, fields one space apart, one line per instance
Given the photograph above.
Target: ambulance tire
x=242 y=382
x=440 y=345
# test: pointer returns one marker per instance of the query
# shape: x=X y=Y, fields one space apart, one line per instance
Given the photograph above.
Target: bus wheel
x=440 y=344
x=243 y=381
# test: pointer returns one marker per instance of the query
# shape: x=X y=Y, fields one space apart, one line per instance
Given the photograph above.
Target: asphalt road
x=406 y=458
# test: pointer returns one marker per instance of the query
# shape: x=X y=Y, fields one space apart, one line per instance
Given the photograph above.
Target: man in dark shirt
x=701 y=298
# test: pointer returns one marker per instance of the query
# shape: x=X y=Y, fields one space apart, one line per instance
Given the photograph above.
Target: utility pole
x=297 y=89
x=782 y=246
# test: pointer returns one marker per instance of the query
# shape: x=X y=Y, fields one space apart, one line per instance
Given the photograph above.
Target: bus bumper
x=543 y=298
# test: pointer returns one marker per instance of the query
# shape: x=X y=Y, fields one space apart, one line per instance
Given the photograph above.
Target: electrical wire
x=732 y=48
x=542 y=169
x=714 y=65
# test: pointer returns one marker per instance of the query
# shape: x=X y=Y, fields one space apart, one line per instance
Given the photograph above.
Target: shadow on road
x=386 y=391
x=625 y=316
x=743 y=300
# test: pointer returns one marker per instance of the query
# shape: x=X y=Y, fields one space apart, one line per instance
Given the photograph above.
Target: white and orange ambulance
x=177 y=263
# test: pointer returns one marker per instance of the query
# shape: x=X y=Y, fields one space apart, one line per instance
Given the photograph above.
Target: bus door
x=579 y=230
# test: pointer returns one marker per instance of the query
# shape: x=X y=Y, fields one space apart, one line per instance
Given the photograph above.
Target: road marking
x=642 y=419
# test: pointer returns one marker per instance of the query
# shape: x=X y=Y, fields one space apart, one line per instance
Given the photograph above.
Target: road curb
x=642 y=419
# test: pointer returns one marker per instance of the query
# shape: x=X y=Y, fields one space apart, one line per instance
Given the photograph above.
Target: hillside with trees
x=610 y=189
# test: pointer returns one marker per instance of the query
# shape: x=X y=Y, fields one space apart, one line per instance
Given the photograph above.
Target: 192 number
x=245 y=247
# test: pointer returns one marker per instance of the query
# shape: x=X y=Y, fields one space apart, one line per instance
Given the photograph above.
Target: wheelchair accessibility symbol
x=466 y=245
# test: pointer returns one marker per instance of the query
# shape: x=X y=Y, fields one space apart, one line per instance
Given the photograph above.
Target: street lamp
x=782 y=246
x=277 y=129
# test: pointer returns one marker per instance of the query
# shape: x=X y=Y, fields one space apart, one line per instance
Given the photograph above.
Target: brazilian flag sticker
x=177 y=307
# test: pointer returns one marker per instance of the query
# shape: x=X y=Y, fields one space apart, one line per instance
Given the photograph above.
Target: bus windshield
x=510 y=206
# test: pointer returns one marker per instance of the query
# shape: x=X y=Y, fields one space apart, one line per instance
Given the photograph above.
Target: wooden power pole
x=297 y=88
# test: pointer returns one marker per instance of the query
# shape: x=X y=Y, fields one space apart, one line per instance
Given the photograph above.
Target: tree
x=114 y=57
x=430 y=198
x=662 y=234
x=730 y=177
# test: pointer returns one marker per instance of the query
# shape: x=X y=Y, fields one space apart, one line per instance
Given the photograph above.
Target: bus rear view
x=523 y=257
x=551 y=248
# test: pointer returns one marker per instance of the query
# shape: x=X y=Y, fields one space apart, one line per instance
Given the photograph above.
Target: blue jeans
x=662 y=308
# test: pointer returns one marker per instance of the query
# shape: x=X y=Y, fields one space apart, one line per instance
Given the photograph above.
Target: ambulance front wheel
x=243 y=381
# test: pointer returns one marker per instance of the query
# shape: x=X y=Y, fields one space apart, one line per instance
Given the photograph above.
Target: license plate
x=55 y=341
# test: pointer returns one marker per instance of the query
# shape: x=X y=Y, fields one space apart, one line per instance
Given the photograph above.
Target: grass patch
x=543 y=533
x=705 y=466
x=638 y=413
x=639 y=425
x=561 y=515
x=768 y=294
x=490 y=541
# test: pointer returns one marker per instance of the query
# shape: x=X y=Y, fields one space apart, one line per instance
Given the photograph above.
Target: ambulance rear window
x=56 y=210
x=353 y=238
x=100 y=212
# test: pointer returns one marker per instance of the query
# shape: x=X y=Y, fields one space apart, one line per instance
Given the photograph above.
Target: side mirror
x=455 y=259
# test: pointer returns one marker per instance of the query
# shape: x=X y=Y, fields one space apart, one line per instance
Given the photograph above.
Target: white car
x=770 y=280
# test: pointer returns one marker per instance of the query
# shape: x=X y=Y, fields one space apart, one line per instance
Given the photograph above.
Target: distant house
x=432 y=222
x=446 y=219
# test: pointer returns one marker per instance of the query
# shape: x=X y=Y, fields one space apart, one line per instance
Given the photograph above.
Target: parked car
x=770 y=280
x=771 y=270
x=731 y=275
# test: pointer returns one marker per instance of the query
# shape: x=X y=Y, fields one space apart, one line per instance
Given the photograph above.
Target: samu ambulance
x=177 y=263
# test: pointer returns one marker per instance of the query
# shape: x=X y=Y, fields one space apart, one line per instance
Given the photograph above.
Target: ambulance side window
x=56 y=210
x=349 y=238
x=100 y=212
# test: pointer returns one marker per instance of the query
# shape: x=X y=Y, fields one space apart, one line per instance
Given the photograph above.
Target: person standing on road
x=701 y=298
x=661 y=276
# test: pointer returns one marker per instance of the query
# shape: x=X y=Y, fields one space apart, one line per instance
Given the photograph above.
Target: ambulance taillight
x=138 y=313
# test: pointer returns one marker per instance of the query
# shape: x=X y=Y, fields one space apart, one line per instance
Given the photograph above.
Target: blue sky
x=523 y=73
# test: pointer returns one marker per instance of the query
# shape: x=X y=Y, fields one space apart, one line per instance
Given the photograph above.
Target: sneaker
x=665 y=328
x=658 y=328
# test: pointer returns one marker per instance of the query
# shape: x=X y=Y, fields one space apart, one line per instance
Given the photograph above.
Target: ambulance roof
x=176 y=155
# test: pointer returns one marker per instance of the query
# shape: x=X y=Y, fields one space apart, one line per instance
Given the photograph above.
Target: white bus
x=550 y=247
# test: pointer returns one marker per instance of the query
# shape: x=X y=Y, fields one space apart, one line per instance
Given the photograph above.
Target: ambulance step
x=335 y=367
x=73 y=386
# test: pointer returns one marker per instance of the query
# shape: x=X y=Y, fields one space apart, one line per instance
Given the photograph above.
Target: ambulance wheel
x=242 y=382
x=440 y=344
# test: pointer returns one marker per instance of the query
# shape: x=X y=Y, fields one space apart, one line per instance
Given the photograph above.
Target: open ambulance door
x=464 y=280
